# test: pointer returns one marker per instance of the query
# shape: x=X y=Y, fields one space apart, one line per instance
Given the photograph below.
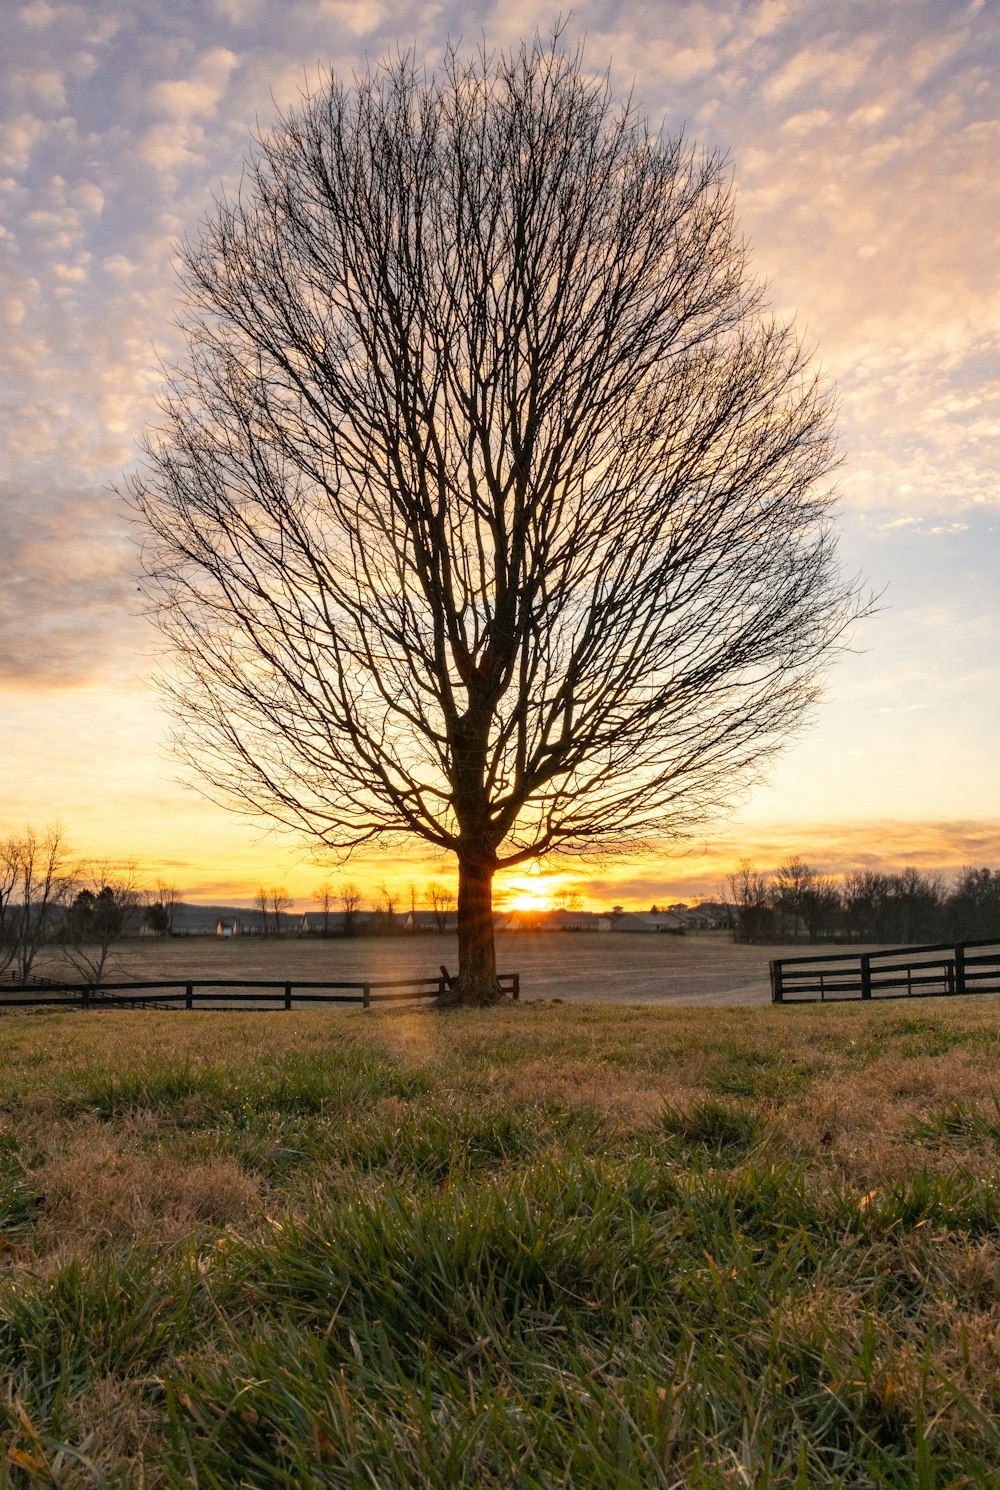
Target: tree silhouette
x=99 y=916
x=488 y=509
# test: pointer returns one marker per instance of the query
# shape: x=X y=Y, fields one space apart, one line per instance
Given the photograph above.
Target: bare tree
x=279 y=901
x=973 y=908
x=36 y=881
x=865 y=894
x=324 y=897
x=104 y=910
x=9 y=876
x=271 y=903
x=384 y=910
x=349 y=897
x=570 y=900
x=752 y=894
x=808 y=901
x=490 y=508
x=441 y=900
x=161 y=907
x=169 y=896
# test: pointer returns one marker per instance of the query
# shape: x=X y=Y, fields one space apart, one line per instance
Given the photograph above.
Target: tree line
x=386 y=913
x=797 y=903
x=47 y=897
x=51 y=899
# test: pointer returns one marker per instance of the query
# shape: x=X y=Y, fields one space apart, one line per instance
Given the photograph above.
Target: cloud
x=359 y=17
x=829 y=847
x=67 y=603
x=200 y=93
x=830 y=66
x=17 y=139
x=37 y=87
x=89 y=196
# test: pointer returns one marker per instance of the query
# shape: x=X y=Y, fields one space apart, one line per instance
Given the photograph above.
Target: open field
x=591 y=967
x=535 y=1246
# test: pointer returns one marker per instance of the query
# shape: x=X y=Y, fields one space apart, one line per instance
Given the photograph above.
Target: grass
x=532 y=1247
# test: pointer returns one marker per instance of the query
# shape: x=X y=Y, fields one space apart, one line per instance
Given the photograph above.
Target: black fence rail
x=195 y=993
x=896 y=972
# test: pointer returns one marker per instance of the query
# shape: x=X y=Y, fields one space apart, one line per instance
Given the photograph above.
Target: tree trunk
x=476 y=984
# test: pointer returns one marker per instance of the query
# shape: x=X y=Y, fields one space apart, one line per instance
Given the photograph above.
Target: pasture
x=538 y=1245
x=581 y=967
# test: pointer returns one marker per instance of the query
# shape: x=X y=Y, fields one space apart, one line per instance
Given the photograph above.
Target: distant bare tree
x=569 y=900
x=918 y=904
x=752 y=896
x=974 y=904
x=384 y=910
x=169 y=896
x=9 y=876
x=161 y=907
x=36 y=881
x=279 y=902
x=809 y=901
x=441 y=900
x=865 y=894
x=349 y=897
x=324 y=897
x=155 y=918
x=489 y=507
x=271 y=902
x=105 y=909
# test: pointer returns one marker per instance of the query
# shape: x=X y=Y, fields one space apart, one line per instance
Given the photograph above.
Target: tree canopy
x=490 y=504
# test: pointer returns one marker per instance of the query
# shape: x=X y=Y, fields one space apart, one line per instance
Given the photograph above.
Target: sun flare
x=530 y=900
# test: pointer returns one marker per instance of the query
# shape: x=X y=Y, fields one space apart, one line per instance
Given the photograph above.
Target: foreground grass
x=536 y=1246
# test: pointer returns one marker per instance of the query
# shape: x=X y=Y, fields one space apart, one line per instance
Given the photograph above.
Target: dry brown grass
x=98 y=1190
x=851 y=1085
x=184 y=1139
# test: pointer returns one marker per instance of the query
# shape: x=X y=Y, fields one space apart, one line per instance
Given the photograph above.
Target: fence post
x=959 y=967
x=189 y=995
x=85 y=997
x=288 y=995
x=777 y=990
x=516 y=990
x=866 y=976
x=366 y=996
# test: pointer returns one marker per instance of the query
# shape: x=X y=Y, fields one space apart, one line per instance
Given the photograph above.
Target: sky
x=863 y=139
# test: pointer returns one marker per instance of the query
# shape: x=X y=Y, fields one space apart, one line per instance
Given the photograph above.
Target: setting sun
x=531 y=900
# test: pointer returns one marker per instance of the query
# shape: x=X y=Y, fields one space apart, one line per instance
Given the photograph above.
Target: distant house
x=431 y=920
x=710 y=915
x=518 y=921
x=648 y=921
x=563 y=920
x=227 y=928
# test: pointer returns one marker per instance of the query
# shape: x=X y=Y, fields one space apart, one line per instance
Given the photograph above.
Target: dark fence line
x=916 y=972
x=188 y=993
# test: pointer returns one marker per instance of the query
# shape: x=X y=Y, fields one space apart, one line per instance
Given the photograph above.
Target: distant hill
x=200 y=920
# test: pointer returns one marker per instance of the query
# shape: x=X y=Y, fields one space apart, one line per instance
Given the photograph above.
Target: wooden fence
x=898 y=972
x=228 y=992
